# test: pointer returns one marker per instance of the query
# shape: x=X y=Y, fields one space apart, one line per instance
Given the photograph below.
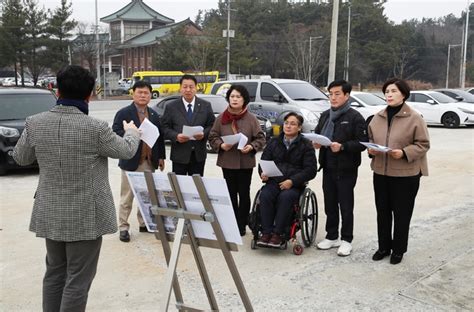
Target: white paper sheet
x=376 y=147
x=236 y=138
x=270 y=169
x=191 y=131
x=317 y=138
x=149 y=132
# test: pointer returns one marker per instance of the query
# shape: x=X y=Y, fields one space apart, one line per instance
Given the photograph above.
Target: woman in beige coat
x=397 y=172
x=237 y=164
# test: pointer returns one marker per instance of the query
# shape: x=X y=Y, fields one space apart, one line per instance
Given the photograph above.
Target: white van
x=274 y=98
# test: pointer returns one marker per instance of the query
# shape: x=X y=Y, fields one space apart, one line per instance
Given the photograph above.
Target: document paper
x=149 y=133
x=376 y=147
x=191 y=131
x=317 y=138
x=270 y=169
x=236 y=138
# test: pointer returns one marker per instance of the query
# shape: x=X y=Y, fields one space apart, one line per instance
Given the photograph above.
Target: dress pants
x=126 y=199
x=238 y=183
x=394 y=196
x=70 y=269
x=276 y=207
x=193 y=167
x=339 y=195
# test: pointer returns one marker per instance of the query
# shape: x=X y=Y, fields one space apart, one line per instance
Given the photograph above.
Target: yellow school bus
x=167 y=82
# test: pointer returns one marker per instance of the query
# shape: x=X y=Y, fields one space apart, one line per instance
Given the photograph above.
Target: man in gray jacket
x=73 y=205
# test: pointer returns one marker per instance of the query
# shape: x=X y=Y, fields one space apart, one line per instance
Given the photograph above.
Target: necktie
x=189 y=113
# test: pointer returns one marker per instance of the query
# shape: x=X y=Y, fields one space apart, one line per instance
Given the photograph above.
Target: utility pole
x=447 y=62
x=98 y=48
x=333 y=46
x=464 y=48
x=229 y=33
x=346 y=69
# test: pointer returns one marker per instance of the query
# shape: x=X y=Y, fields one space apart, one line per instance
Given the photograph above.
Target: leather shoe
x=124 y=236
x=396 y=258
x=143 y=229
x=379 y=255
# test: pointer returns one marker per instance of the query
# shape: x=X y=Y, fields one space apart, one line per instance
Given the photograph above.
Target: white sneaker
x=345 y=249
x=328 y=243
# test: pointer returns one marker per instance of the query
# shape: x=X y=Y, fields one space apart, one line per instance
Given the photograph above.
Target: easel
x=185 y=234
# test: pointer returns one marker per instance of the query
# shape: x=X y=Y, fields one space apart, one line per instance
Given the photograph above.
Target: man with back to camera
x=188 y=154
x=146 y=158
x=345 y=127
x=73 y=204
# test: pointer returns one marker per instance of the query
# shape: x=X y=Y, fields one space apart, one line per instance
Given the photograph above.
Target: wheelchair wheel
x=308 y=216
x=253 y=216
x=298 y=249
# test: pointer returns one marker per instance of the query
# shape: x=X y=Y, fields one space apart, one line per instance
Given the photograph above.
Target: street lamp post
x=447 y=62
x=310 y=67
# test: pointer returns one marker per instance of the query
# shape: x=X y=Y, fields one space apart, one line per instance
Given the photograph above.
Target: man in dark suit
x=188 y=153
x=73 y=205
x=146 y=158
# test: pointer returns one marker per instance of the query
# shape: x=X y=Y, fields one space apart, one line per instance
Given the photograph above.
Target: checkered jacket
x=73 y=200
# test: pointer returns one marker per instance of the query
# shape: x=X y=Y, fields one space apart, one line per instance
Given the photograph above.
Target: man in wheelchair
x=295 y=157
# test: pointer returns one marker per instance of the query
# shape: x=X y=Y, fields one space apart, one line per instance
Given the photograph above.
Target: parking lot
x=437 y=272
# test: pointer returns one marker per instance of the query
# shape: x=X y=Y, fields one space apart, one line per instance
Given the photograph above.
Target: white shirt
x=186 y=104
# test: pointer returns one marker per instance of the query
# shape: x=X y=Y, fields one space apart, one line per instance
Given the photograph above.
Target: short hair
x=142 y=84
x=346 y=87
x=296 y=115
x=401 y=84
x=242 y=90
x=188 y=77
x=75 y=82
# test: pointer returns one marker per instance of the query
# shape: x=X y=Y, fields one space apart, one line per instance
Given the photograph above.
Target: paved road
x=437 y=273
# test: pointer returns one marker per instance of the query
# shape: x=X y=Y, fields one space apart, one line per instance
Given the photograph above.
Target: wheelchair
x=304 y=221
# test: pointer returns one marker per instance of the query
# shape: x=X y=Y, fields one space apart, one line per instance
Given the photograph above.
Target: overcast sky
x=396 y=10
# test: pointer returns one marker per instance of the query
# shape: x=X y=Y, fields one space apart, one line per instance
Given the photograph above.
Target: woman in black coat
x=295 y=157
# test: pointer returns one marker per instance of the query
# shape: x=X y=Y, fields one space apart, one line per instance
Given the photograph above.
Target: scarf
x=82 y=105
x=228 y=117
x=328 y=128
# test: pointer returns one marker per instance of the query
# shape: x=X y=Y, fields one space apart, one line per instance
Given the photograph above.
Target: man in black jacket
x=146 y=158
x=345 y=127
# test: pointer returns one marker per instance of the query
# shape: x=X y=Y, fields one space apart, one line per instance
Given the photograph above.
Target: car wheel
x=155 y=95
x=450 y=120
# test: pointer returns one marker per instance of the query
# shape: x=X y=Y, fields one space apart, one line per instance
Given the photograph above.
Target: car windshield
x=370 y=99
x=302 y=91
x=467 y=97
x=20 y=106
x=219 y=104
x=441 y=98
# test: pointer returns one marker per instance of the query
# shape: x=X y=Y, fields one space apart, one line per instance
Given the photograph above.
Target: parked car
x=219 y=104
x=367 y=104
x=16 y=104
x=470 y=90
x=438 y=108
x=458 y=95
x=124 y=85
x=274 y=98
